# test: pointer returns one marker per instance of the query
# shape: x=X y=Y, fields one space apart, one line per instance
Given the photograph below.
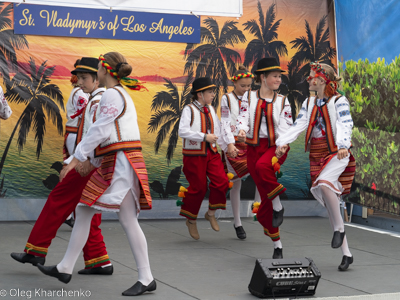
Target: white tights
x=332 y=205
x=234 y=196
x=129 y=221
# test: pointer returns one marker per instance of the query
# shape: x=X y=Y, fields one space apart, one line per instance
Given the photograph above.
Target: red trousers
x=60 y=204
x=196 y=170
x=259 y=164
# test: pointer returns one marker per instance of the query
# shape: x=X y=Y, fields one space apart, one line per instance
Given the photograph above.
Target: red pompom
x=277 y=167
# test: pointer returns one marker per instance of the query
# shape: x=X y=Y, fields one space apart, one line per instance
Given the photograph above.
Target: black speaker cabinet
x=284 y=277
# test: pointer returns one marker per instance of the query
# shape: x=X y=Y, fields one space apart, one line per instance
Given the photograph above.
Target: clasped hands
x=83 y=168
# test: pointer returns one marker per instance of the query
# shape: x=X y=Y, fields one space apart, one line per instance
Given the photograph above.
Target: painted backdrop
x=36 y=71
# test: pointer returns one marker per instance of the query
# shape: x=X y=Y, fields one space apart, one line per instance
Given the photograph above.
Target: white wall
x=227 y=8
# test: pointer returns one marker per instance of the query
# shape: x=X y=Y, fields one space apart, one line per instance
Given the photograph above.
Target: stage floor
x=218 y=266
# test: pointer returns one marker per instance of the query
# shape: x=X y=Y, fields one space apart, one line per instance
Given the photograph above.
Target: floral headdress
x=129 y=82
x=242 y=75
x=331 y=85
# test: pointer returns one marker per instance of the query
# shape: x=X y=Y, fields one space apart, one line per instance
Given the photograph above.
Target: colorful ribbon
x=129 y=82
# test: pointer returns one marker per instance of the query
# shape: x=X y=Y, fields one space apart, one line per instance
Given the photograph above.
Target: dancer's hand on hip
x=65 y=170
x=342 y=153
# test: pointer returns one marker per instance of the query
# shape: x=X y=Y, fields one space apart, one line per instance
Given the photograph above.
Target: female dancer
x=120 y=184
x=332 y=166
x=234 y=152
x=264 y=116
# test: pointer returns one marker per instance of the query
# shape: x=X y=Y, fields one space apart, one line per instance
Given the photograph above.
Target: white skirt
x=124 y=180
x=329 y=177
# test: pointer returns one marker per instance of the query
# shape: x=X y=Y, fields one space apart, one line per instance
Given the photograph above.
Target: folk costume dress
x=201 y=160
x=115 y=136
x=5 y=110
x=77 y=101
x=264 y=120
x=120 y=184
x=61 y=203
x=230 y=108
x=329 y=125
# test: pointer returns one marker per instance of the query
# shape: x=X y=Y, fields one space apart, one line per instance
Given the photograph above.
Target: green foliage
x=378 y=166
x=373 y=91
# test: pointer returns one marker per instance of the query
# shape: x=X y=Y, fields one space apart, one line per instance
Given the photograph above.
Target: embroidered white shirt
x=5 y=110
x=111 y=106
x=228 y=130
x=198 y=136
x=285 y=118
x=344 y=125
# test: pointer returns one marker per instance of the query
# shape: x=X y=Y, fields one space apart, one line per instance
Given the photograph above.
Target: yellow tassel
x=256 y=204
x=274 y=160
x=183 y=189
x=230 y=176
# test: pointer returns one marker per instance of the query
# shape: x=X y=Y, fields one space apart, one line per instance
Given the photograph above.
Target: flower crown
x=242 y=75
x=129 y=82
x=321 y=72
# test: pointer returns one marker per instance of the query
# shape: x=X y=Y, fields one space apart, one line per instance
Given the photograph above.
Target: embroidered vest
x=273 y=110
x=198 y=123
x=329 y=115
x=126 y=134
x=234 y=104
x=72 y=124
x=85 y=121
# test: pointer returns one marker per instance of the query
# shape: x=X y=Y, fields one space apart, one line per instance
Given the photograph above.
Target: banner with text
x=105 y=24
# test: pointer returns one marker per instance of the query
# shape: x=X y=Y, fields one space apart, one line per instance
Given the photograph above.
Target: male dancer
x=66 y=195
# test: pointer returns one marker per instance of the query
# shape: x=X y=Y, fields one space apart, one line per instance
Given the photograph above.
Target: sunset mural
x=24 y=170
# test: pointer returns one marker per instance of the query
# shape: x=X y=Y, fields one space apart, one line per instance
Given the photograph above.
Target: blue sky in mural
x=368 y=29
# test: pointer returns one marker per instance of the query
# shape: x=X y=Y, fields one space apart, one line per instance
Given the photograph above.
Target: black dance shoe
x=277 y=218
x=70 y=222
x=346 y=261
x=240 y=233
x=28 y=258
x=138 y=288
x=277 y=253
x=53 y=272
x=337 y=239
x=97 y=271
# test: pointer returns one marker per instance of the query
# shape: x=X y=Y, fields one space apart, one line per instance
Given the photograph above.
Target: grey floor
x=218 y=266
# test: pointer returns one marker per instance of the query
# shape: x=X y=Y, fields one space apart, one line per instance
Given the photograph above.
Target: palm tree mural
x=312 y=48
x=266 y=42
x=167 y=107
x=40 y=96
x=291 y=87
x=9 y=42
x=212 y=58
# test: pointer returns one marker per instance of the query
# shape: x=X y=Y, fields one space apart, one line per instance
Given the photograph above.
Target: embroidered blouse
x=5 y=110
x=344 y=125
x=285 y=120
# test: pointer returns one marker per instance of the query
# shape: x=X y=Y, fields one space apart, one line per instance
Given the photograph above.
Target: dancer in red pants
x=264 y=116
x=66 y=195
x=199 y=128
